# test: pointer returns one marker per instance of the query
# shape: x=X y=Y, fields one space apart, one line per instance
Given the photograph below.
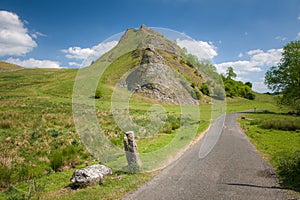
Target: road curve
x=232 y=170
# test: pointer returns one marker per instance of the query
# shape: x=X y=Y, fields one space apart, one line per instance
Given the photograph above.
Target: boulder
x=90 y=175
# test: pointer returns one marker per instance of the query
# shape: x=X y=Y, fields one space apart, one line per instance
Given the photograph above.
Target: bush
x=289 y=170
x=197 y=94
x=204 y=89
x=255 y=122
x=285 y=125
x=250 y=96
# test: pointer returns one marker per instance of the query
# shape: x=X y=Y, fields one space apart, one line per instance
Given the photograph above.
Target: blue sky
x=245 y=34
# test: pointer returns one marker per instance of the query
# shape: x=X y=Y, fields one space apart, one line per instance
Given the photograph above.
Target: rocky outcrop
x=154 y=79
x=90 y=175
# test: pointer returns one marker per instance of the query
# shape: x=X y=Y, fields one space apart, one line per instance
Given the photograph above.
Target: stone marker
x=90 y=175
x=131 y=150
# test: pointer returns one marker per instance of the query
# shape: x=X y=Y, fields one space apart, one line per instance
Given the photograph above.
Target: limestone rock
x=90 y=175
x=154 y=79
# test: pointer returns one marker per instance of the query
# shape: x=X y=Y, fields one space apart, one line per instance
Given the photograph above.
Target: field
x=277 y=137
x=41 y=147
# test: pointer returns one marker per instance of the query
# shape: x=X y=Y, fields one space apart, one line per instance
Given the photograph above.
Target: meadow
x=41 y=147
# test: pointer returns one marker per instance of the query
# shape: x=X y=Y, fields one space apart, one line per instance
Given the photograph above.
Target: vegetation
x=237 y=88
x=277 y=137
x=284 y=77
x=40 y=147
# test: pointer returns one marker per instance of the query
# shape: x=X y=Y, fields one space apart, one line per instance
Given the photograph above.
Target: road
x=232 y=170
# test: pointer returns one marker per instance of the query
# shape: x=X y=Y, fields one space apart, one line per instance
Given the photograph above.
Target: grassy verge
x=277 y=137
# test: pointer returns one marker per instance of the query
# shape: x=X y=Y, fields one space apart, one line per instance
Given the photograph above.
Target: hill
x=7 y=67
x=38 y=135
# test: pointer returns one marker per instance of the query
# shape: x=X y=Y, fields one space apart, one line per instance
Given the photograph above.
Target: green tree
x=249 y=84
x=230 y=73
x=285 y=77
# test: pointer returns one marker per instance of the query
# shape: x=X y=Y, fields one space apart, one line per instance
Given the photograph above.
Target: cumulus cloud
x=14 y=37
x=92 y=53
x=258 y=58
x=298 y=36
x=33 y=63
x=240 y=55
x=201 y=49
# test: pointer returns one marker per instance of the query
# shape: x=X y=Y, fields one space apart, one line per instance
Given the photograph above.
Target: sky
x=246 y=34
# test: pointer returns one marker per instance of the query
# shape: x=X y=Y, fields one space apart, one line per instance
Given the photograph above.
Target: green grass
x=38 y=136
x=277 y=146
x=261 y=102
x=7 y=67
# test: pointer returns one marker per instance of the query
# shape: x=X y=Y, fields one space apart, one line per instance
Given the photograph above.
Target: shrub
x=193 y=85
x=289 y=170
x=285 y=125
x=198 y=95
x=250 y=96
x=204 y=89
x=255 y=122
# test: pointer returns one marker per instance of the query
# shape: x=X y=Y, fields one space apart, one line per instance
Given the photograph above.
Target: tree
x=230 y=73
x=285 y=77
x=249 y=84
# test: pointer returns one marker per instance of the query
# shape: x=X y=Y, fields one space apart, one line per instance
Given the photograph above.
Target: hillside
x=38 y=135
x=7 y=67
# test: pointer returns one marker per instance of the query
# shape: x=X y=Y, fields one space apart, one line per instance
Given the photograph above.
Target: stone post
x=131 y=150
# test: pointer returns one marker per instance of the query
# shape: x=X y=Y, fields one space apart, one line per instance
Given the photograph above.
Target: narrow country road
x=232 y=170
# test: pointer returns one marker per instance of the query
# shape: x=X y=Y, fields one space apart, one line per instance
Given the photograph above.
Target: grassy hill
x=37 y=128
x=7 y=67
x=39 y=140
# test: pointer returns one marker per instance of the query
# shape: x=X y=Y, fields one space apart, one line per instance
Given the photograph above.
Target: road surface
x=232 y=170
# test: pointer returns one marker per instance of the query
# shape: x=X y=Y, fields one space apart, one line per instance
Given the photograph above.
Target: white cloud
x=298 y=17
x=75 y=64
x=240 y=55
x=93 y=53
x=260 y=87
x=201 y=49
x=281 y=38
x=256 y=51
x=298 y=36
x=33 y=63
x=14 y=37
x=258 y=59
x=38 y=34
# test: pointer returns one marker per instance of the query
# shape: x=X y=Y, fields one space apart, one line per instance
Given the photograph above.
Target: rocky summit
x=153 y=78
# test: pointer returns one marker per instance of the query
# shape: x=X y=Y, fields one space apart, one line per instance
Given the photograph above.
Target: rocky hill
x=161 y=72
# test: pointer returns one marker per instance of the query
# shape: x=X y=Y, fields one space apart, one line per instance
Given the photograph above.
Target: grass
x=277 y=142
x=7 y=67
x=39 y=140
x=261 y=102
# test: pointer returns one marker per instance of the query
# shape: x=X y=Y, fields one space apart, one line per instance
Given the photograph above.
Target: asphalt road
x=232 y=170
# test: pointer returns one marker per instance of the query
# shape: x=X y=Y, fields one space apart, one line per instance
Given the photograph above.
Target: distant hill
x=7 y=67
